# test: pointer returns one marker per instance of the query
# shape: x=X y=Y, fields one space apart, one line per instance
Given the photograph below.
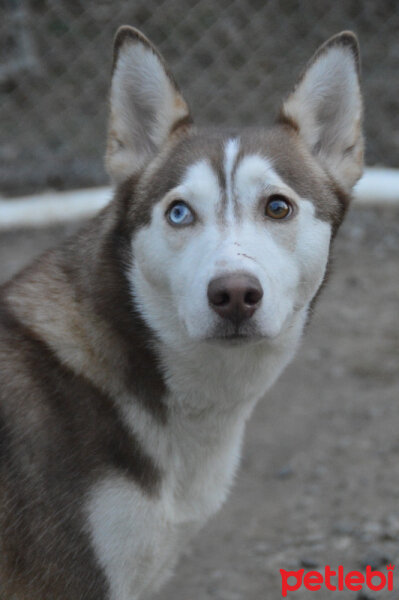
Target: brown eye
x=278 y=207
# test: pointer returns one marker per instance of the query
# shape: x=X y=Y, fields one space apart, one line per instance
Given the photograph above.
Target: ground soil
x=319 y=478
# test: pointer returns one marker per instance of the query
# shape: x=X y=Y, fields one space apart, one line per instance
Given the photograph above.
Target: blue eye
x=180 y=214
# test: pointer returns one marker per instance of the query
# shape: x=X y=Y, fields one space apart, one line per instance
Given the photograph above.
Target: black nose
x=235 y=297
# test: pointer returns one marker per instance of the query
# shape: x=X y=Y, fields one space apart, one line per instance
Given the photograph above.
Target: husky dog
x=132 y=355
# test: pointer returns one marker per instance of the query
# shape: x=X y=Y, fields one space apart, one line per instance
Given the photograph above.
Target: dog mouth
x=233 y=335
x=235 y=340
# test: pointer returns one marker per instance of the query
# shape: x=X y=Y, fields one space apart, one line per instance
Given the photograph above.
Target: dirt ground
x=319 y=479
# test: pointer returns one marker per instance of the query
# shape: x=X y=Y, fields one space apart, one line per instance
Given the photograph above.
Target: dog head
x=231 y=230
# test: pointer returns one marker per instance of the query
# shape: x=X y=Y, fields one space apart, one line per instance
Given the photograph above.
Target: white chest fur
x=138 y=538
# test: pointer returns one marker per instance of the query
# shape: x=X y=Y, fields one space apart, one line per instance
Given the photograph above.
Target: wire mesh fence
x=234 y=60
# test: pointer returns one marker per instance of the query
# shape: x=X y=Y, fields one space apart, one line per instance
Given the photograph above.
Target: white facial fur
x=174 y=265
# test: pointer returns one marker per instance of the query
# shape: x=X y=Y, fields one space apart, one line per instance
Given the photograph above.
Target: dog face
x=232 y=230
x=232 y=251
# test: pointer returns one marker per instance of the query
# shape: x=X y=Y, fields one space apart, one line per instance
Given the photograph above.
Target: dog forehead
x=255 y=170
x=201 y=179
x=222 y=163
x=212 y=159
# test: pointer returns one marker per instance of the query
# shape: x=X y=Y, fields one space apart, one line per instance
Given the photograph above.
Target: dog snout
x=235 y=297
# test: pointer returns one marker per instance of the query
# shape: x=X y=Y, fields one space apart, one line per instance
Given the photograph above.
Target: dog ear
x=146 y=107
x=325 y=108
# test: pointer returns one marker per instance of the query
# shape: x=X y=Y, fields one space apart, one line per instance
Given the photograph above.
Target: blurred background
x=234 y=59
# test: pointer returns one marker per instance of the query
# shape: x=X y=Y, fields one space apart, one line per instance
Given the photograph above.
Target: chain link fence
x=234 y=60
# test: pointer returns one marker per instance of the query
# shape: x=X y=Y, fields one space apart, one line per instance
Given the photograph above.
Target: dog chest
x=138 y=537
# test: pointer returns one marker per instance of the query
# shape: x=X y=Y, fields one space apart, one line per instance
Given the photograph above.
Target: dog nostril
x=221 y=299
x=253 y=297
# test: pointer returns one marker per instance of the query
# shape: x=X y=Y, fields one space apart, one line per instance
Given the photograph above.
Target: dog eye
x=278 y=207
x=179 y=214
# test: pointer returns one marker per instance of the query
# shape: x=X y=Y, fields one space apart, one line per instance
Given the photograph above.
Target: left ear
x=326 y=108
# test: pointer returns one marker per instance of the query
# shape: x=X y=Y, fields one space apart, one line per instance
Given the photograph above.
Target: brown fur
x=60 y=429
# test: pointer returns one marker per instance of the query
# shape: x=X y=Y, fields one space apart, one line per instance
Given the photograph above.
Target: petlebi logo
x=337 y=580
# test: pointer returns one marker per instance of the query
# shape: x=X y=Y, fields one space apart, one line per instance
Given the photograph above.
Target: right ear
x=146 y=107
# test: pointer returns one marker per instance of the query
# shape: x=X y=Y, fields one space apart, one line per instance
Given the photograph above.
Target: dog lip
x=235 y=339
x=236 y=336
